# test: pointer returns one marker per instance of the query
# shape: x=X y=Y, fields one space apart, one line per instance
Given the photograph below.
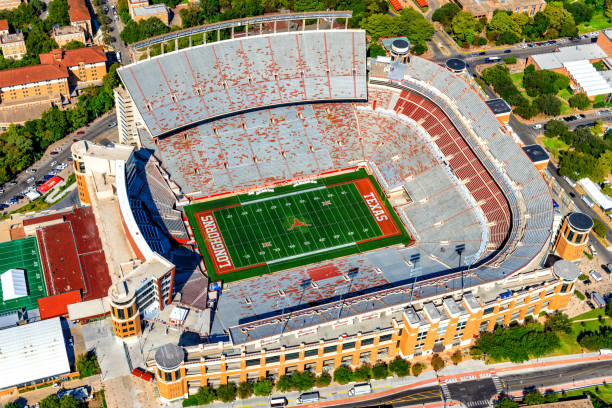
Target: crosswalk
x=479 y=404
x=498 y=385
x=445 y=391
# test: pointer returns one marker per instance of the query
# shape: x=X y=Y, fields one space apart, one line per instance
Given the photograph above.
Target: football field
x=293 y=227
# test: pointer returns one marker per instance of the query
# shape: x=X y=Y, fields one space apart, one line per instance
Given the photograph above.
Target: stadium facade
x=264 y=114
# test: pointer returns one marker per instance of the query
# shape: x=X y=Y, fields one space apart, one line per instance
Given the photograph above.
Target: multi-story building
x=146 y=290
x=128 y=118
x=487 y=7
x=86 y=66
x=132 y=4
x=79 y=16
x=9 y=4
x=48 y=82
x=63 y=35
x=13 y=45
x=410 y=330
x=573 y=236
x=154 y=10
x=95 y=168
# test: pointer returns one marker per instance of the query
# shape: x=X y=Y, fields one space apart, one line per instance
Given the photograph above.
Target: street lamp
x=351 y=275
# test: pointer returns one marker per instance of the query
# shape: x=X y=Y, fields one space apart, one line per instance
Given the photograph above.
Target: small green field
x=598 y=22
x=517 y=80
x=603 y=391
x=23 y=254
x=253 y=234
x=555 y=145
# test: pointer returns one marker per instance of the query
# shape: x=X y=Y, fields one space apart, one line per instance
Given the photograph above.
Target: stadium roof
x=536 y=153
x=499 y=106
x=31 y=352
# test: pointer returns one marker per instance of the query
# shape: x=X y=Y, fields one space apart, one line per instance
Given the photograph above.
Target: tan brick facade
x=571 y=241
x=436 y=328
x=126 y=320
x=9 y=4
x=52 y=88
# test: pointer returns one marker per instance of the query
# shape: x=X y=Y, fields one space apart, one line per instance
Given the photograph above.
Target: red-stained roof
x=70 y=58
x=422 y=3
x=396 y=5
x=42 y=219
x=28 y=75
x=54 y=306
x=78 y=11
x=4 y=25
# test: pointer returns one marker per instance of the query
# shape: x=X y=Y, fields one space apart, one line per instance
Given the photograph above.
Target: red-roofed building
x=4 y=27
x=85 y=65
x=38 y=81
x=71 y=253
x=79 y=15
x=56 y=306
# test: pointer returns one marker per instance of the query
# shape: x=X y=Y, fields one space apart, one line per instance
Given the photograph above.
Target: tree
x=510 y=60
x=323 y=380
x=576 y=165
x=38 y=42
x=599 y=228
x=11 y=405
x=50 y=402
x=445 y=14
x=557 y=16
x=502 y=22
x=302 y=381
x=133 y=32
x=400 y=367
x=191 y=16
x=464 y=26
x=506 y=402
x=609 y=309
x=379 y=25
x=417 y=369
x=558 y=321
x=343 y=375
x=549 y=104
x=58 y=14
x=551 y=397
x=284 y=383
x=226 y=392
x=437 y=363
x=245 y=389
x=579 y=101
x=73 y=45
x=534 y=398
x=580 y=11
x=376 y=50
x=77 y=117
x=380 y=371
x=555 y=128
x=363 y=373
x=205 y=395
x=457 y=357
x=68 y=401
x=263 y=387
x=87 y=364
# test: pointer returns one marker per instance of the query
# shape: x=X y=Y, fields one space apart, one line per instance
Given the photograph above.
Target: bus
x=492 y=59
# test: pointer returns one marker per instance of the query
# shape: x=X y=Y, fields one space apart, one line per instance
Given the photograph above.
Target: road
x=562 y=375
x=43 y=166
x=416 y=396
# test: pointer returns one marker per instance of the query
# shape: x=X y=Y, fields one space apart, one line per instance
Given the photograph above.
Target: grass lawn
x=555 y=145
x=598 y=22
x=591 y=314
x=605 y=393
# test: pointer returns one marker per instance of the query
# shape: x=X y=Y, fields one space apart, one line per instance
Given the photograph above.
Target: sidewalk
x=467 y=370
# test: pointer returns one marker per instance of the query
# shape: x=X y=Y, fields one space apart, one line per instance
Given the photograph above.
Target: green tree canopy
x=464 y=26
x=323 y=380
x=580 y=101
x=343 y=375
x=549 y=104
x=400 y=367
x=245 y=389
x=263 y=387
x=380 y=371
x=226 y=392
x=445 y=14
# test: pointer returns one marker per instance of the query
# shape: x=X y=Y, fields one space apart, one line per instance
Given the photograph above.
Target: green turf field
x=23 y=254
x=263 y=231
x=259 y=233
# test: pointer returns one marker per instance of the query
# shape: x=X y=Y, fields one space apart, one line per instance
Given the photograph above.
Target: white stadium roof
x=31 y=352
x=13 y=284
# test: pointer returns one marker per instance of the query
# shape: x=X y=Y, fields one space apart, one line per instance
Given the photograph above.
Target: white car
x=53 y=163
x=596 y=276
x=30 y=180
x=537 y=126
x=593 y=250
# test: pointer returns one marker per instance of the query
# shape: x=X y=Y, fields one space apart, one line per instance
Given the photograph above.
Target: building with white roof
x=13 y=284
x=555 y=60
x=32 y=353
x=586 y=78
x=593 y=191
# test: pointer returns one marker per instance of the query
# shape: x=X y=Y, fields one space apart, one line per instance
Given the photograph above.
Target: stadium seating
x=188 y=86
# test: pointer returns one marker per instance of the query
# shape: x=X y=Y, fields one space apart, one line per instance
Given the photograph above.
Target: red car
x=80 y=132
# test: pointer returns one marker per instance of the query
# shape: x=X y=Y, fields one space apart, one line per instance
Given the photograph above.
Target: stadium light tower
x=303 y=285
x=414 y=271
x=351 y=275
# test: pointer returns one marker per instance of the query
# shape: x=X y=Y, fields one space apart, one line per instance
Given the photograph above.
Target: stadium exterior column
x=303 y=24
x=190 y=41
x=346 y=23
x=260 y=28
x=274 y=26
x=232 y=32
x=317 y=23
x=148 y=52
x=218 y=34
x=203 y=381
x=262 y=365
x=374 y=353
x=176 y=44
x=162 y=48
x=247 y=30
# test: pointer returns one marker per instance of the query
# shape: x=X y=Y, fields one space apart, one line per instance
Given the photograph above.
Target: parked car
x=11 y=183
x=595 y=275
x=593 y=250
x=30 y=180
x=80 y=132
x=31 y=171
x=53 y=153
x=53 y=163
x=609 y=268
x=112 y=124
x=507 y=51
x=537 y=126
